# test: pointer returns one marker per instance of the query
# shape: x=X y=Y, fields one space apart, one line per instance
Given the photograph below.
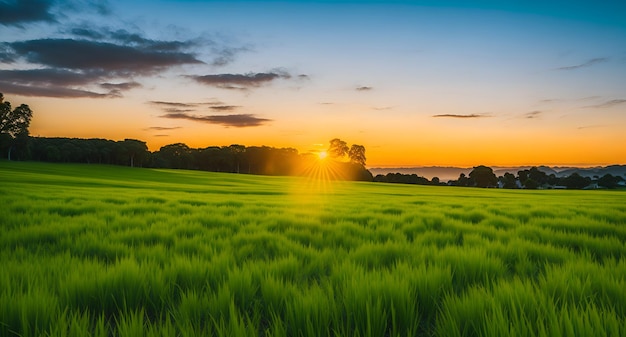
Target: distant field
x=111 y=251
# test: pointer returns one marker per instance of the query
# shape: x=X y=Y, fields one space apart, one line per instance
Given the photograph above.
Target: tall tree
x=14 y=125
x=357 y=154
x=338 y=148
x=483 y=176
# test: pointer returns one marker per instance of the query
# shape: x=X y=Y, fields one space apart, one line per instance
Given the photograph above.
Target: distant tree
x=483 y=176
x=522 y=176
x=509 y=181
x=531 y=184
x=609 y=181
x=462 y=181
x=435 y=181
x=14 y=126
x=576 y=181
x=175 y=156
x=338 y=148
x=135 y=150
x=357 y=154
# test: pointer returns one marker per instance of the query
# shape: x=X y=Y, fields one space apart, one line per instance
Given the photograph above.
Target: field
x=89 y=250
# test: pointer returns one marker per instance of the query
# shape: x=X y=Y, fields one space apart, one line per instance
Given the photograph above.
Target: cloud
x=180 y=107
x=162 y=128
x=169 y=105
x=224 y=107
x=240 y=81
x=68 y=68
x=226 y=55
x=85 y=55
x=52 y=91
x=588 y=63
x=239 y=121
x=608 y=104
x=19 y=12
x=15 y=13
x=533 y=114
x=60 y=83
x=461 y=116
x=121 y=86
x=364 y=88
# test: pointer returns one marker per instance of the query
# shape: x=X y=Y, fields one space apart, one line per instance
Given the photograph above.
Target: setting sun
x=322 y=154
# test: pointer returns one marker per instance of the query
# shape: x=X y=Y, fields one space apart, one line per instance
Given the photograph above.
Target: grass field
x=89 y=250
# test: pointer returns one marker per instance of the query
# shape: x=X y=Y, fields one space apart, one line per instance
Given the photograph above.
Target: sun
x=322 y=154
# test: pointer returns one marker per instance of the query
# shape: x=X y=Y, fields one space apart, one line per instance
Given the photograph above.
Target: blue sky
x=416 y=82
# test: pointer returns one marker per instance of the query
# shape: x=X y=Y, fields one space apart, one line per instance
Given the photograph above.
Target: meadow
x=88 y=250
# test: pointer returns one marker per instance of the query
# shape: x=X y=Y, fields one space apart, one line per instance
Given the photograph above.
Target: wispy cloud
x=224 y=107
x=466 y=116
x=238 y=121
x=162 y=128
x=240 y=81
x=608 y=104
x=533 y=114
x=590 y=127
x=585 y=64
x=364 y=88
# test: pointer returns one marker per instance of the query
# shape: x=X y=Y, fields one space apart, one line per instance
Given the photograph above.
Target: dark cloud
x=169 y=105
x=240 y=81
x=608 y=104
x=72 y=66
x=239 y=121
x=116 y=89
x=180 y=107
x=16 y=13
x=224 y=107
x=364 y=88
x=461 y=116
x=533 y=114
x=52 y=91
x=20 y=12
x=121 y=86
x=85 y=55
x=49 y=76
x=588 y=63
x=59 y=83
x=162 y=128
x=124 y=37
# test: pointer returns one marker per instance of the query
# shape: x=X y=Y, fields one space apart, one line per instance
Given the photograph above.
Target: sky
x=418 y=83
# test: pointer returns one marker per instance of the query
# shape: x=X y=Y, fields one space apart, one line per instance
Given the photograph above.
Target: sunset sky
x=418 y=83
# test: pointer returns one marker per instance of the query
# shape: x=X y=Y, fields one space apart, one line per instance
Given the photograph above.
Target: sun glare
x=322 y=154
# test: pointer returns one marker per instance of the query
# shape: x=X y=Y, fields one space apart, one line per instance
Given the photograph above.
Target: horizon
x=418 y=83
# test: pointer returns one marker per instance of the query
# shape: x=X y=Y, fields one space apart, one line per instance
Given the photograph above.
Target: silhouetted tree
x=508 y=181
x=462 y=181
x=576 y=181
x=609 y=181
x=14 y=126
x=174 y=156
x=483 y=176
x=357 y=154
x=338 y=148
x=135 y=150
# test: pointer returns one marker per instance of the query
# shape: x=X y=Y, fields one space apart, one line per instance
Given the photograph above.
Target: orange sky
x=417 y=85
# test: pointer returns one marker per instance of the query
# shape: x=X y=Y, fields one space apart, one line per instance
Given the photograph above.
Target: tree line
x=16 y=144
x=261 y=160
x=533 y=178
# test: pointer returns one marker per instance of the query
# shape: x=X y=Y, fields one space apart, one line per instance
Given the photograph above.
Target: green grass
x=88 y=250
